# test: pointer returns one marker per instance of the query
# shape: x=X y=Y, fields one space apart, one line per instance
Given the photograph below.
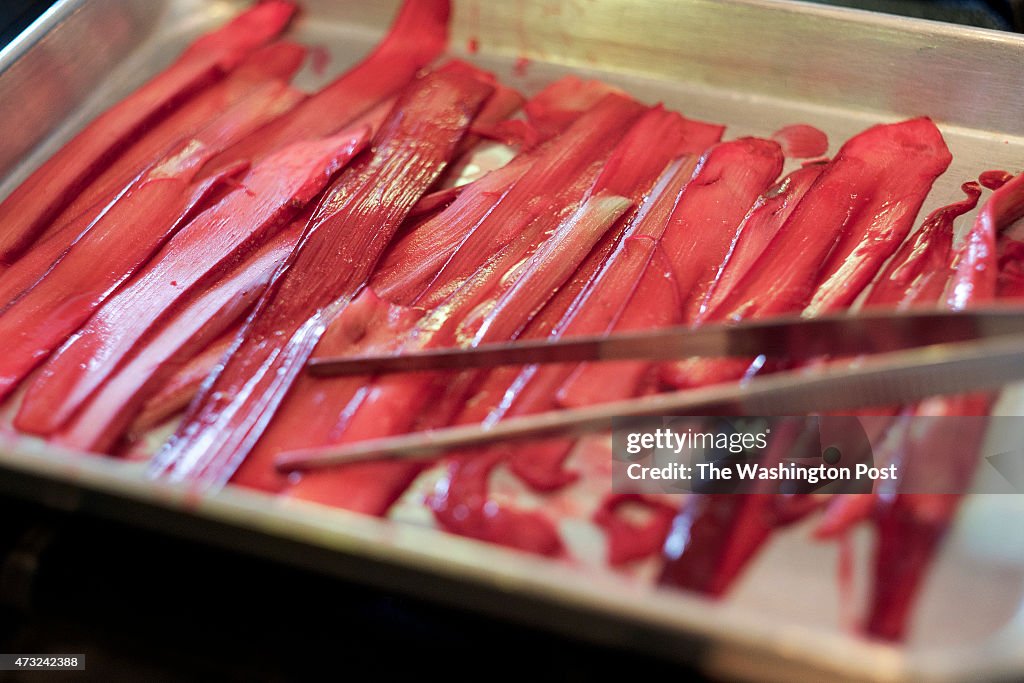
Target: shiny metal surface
x=755 y=65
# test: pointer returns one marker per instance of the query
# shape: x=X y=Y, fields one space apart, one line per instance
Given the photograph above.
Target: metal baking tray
x=754 y=65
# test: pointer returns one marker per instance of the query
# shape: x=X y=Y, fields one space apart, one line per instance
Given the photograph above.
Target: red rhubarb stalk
x=28 y=211
x=728 y=181
x=874 y=187
x=911 y=526
x=759 y=228
x=920 y=270
x=316 y=411
x=174 y=395
x=262 y=72
x=372 y=487
x=338 y=251
x=106 y=415
x=122 y=239
x=627 y=540
x=882 y=187
x=561 y=169
x=974 y=276
x=916 y=275
x=488 y=213
x=199 y=253
x=486 y=309
x=714 y=536
x=417 y=37
x=462 y=503
x=235 y=123
x=889 y=170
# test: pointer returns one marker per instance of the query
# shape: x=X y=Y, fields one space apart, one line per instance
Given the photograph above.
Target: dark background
x=70 y=584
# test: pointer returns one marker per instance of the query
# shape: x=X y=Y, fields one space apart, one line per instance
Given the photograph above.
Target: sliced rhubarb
x=704 y=225
x=759 y=228
x=873 y=188
x=262 y=72
x=916 y=275
x=315 y=412
x=174 y=395
x=417 y=37
x=714 y=536
x=462 y=506
x=599 y=306
x=415 y=259
x=249 y=113
x=199 y=253
x=27 y=212
x=556 y=107
x=920 y=269
x=562 y=168
x=393 y=403
x=405 y=282
x=122 y=239
x=801 y=141
x=911 y=526
x=462 y=503
x=975 y=274
x=106 y=415
x=342 y=243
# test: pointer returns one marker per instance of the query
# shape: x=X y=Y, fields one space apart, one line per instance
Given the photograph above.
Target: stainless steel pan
x=753 y=65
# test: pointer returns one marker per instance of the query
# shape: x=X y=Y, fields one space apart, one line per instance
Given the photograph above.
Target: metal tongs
x=897 y=357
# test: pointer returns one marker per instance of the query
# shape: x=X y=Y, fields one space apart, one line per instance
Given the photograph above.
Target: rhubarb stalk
x=27 y=212
x=199 y=253
x=338 y=251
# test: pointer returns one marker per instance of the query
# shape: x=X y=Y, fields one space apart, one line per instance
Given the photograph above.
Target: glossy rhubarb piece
x=916 y=275
x=28 y=211
x=462 y=503
x=714 y=536
x=174 y=395
x=462 y=506
x=728 y=181
x=911 y=526
x=199 y=253
x=491 y=307
x=653 y=143
x=559 y=104
x=563 y=169
x=103 y=419
x=801 y=141
x=760 y=226
x=333 y=261
x=372 y=487
x=975 y=266
x=741 y=524
x=605 y=280
x=259 y=75
x=417 y=37
x=758 y=229
x=369 y=324
x=262 y=105
x=627 y=540
x=1010 y=284
x=418 y=257
x=122 y=239
x=920 y=269
x=874 y=187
